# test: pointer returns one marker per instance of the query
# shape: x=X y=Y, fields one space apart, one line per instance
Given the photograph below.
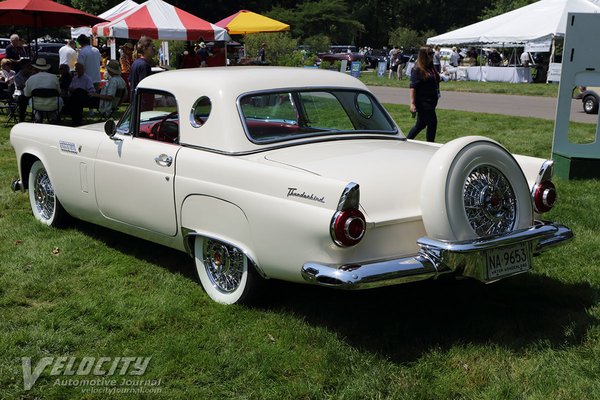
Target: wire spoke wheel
x=43 y=200
x=224 y=265
x=490 y=201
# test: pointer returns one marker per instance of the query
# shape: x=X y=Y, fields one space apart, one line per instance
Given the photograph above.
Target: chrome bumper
x=435 y=257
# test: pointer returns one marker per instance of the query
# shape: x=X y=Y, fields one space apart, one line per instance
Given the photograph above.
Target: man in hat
x=126 y=58
x=113 y=92
x=91 y=59
x=203 y=54
x=43 y=80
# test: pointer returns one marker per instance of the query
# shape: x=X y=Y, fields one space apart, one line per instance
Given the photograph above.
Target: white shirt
x=90 y=57
x=67 y=55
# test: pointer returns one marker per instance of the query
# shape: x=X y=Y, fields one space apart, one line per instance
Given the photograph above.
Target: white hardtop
x=223 y=131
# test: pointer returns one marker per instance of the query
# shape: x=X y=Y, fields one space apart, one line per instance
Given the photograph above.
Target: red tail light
x=544 y=196
x=348 y=227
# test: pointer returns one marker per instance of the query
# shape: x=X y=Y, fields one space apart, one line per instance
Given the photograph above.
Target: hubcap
x=588 y=105
x=490 y=202
x=44 y=195
x=224 y=265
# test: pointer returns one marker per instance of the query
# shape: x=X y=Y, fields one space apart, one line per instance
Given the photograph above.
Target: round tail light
x=544 y=196
x=348 y=227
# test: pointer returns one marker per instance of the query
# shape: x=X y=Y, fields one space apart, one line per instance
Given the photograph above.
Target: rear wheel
x=590 y=105
x=45 y=205
x=225 y=272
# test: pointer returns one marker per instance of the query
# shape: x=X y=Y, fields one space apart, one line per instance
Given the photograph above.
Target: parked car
x=590 y=99
x=333 y=57
x=266 y=172
x=3 y=43
x=373 y=57
x=49 y=51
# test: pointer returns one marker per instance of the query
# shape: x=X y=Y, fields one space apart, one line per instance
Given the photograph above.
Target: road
x=524 y=106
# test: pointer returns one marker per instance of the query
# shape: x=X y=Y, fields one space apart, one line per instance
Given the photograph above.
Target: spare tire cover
x=473 y=187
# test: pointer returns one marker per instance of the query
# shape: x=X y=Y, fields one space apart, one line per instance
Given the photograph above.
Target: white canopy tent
x=537 y=22
x=108 y=15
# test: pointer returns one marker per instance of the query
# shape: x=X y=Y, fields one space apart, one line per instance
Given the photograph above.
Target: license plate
x=506 y=261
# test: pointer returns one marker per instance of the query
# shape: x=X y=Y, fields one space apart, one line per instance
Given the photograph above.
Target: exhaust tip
x=17 y=186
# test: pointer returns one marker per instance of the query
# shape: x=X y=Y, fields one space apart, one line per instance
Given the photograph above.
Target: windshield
x=278 y=116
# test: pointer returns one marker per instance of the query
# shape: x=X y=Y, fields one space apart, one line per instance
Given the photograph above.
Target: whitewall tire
x=224 y=271
x=473 y=187
x=44 y=203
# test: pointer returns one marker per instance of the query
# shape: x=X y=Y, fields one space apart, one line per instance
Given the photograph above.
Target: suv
x=590 y=98
x=49 y=51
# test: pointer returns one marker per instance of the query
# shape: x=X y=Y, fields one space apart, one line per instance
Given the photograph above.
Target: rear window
x=287 y=115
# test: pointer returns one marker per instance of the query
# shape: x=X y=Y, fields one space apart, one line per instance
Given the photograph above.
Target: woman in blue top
x=424 y=94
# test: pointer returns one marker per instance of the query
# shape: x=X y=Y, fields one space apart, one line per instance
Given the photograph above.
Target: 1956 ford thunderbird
x=292 y=174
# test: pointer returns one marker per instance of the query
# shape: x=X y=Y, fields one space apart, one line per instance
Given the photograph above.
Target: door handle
x=164 y=160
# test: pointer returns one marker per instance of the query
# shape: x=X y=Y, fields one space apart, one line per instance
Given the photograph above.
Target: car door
x=135 y=169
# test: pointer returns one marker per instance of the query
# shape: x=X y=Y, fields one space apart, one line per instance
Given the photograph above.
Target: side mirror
x=110 y=128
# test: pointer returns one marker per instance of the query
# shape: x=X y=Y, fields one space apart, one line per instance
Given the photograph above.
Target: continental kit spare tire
x=473 y=187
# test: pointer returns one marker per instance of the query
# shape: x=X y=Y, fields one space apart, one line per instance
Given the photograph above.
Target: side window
x=200 y=112
x=124 y=126
x=158 y=116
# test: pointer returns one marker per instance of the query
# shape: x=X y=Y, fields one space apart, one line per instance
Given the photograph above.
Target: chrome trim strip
x=435 y=257
x=545 y=173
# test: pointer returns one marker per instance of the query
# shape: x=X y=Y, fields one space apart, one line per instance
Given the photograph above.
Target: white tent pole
x=553 y=48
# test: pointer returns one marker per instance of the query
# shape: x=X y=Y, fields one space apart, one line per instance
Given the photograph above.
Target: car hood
x=389 y=172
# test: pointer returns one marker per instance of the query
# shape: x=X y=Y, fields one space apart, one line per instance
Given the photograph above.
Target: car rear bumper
x=436 y=257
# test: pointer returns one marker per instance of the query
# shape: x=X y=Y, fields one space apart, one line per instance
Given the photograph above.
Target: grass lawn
x=86 y=291
x=521 y=89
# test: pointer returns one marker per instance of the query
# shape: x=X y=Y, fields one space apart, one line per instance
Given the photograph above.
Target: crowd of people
x=87 y=78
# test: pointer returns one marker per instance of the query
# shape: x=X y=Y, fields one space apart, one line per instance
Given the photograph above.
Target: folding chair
x=10 y=107
x=120 y=96
x=41 y=109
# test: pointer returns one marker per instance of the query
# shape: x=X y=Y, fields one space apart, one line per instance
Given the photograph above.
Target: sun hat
x=41 y=64
x=128 y=45
x=113 y=67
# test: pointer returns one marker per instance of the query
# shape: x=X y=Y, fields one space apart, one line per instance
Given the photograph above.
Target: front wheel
x=225 y=272
x=45 y=205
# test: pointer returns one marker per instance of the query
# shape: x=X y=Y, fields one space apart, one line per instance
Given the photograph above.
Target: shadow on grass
x=404 y=322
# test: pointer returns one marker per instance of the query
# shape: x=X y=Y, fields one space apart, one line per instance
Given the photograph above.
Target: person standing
x=68 y=55
x=15 y=52
x=203 y=54
x=142 y=66
x=437 y=59
x=90 y=57
x=262 y=55
x=126 y=58
x=424 y=94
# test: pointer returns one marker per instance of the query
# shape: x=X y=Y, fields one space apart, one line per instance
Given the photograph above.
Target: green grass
x=87 y=291
x=521 y=89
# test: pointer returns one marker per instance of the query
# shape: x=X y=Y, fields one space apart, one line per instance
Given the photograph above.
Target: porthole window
x=364 y=105
x=200 y=112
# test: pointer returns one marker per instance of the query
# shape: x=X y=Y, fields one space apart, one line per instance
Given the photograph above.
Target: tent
x=244 y=22
x=42 y=13
x=160 y=20
x=108 y=15
x=537 y=22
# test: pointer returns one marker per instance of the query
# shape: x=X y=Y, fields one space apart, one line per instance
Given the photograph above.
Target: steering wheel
x=165 y=130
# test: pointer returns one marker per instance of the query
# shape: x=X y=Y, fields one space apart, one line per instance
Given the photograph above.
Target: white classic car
x=292 y=174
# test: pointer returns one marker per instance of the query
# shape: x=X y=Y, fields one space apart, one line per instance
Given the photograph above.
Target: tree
x=321 y=17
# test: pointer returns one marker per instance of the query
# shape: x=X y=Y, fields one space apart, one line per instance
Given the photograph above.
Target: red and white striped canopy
x=160 y=20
